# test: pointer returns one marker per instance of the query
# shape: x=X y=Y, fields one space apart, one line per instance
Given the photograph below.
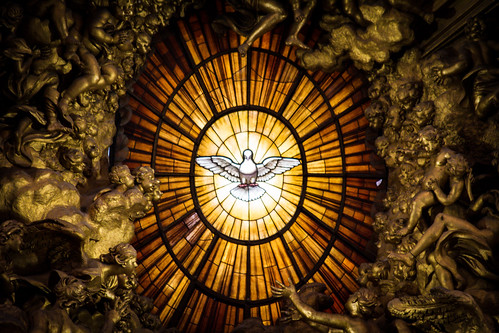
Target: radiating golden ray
x=257 y=209
x=273 y=191
x=228 y=203
x=252 y=121
x=275 y=131
x=231 y=149
x=269 y=125
x=223 y=128
x=271 y=151
x=263 y=147
x=253 y=141
x=292 y=199
x=242 y=140
x=240 y=209
x=289 y=148
x=223 y=187
x=286 y=211
x=227 y=224
x=236 y=229
x=212 y=135
x=212 y=209
x=269 y=203
x=276 y=216
x=220 y=220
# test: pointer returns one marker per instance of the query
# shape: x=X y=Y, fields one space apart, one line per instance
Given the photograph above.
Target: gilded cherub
x=375 y=114
x=121 y=177
x=480 y=237
x=94 y=45
x=71 y=293
x=147 y=184
x=102 y=276
x=448 y=169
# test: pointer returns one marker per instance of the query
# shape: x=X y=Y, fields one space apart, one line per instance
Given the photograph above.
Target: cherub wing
x=220 y=165
x=274 y=166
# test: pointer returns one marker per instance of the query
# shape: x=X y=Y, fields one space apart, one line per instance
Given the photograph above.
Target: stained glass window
x=207 y=258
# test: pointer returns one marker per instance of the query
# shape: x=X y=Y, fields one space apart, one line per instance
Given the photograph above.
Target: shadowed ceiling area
x=207 y=258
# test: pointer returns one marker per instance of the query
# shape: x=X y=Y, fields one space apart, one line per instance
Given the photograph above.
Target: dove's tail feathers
x=247 y=193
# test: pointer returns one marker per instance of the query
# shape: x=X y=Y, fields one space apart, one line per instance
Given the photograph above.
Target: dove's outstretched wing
x=220 y=165
x=274 y=166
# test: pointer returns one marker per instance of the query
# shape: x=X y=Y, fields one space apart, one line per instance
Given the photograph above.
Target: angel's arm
x=309 y=313
x=456 y=189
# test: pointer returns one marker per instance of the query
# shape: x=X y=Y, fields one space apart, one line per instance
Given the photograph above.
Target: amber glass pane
x=207 y=257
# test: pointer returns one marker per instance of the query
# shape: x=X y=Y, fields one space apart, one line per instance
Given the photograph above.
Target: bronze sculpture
x=475 y=62
x=254 y=19
x=356 y=305
x=301 y=15
x=447 y=167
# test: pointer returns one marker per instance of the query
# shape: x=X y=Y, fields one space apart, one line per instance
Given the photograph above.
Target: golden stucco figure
x=251 y=19
x=360 y=304
x=476 y=62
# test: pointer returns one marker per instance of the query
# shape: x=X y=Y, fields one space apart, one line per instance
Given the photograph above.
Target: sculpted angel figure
x=101 y=276
x=252 y=19
x=301 y=15
x=447 y=168
x=98 y=72
x=71 y=294
x=476 y=242
x=361 y=303
x=248 y=173
x=476 y=63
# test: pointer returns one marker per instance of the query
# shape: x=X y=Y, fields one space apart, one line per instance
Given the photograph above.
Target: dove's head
x=248 y=154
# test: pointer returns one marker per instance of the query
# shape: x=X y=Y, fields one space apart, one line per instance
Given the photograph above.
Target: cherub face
x=408 y=94
x=127 y=179
x=127 y=281
x=428 y=138
x=91 y=148
x=401 y=271
x=144 y=173
x=382 y=144
x=73 y=161
x=80 y=127
x=13 y=241
x=457 y=166
x=393 y=117
x=379 y=270
x=74 y=293
x=352 y=306
x=143 y=41
x=129 y=265
x=406 y=172
x=124 y=9
x=375 y=114
x=380 y=221
x=423 y=113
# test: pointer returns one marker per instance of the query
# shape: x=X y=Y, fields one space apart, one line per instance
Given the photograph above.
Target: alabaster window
x=207 y=257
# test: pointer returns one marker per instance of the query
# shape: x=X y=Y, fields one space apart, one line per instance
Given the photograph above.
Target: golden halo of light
x=229 y=136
